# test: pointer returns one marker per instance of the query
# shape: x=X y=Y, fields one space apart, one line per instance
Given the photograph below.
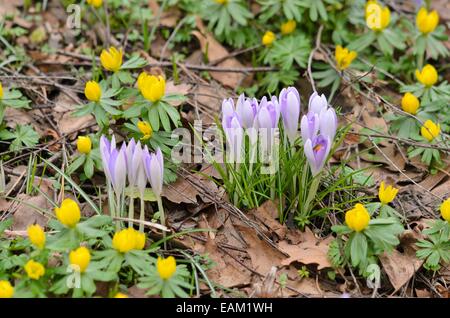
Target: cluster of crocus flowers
x=36 y=235
x=445 y=210
x=79 y=259
x=427 y=22
x=377 y=16
x=95 y=3
x=6 y=289
x=93 y=91
x=112 y=59
x=151 y=87
x=318 y=129
x=430 y=130
x=128 y=239
x=166 y=267
x=410 y=103
x=68 y=213
x=386 y=194
x=84 y=144
x=288 y=27
x=268 y=38
x=34 y=270
x=428 y=76
x=135 y=163
x=357 y=218
x=344 y=57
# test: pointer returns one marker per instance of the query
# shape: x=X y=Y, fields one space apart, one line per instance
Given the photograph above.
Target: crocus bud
x=95 y=3
x=410 y=103
x=36 y=235
x=428 y=76
x=268 y=38
x=111 y=59
x=246 y=108
x=386 y=194
x=316 y=152
x=227 y=107
x=6 y=289
x=426 y=22
x=430 y=130
x=68 y=213
x=290 y=111
x=93 y=91
x=151 y=87
x=84 y=144
x=154 y=169
x=34 y=270
x=166 y=267
x=234 y=134
x=114 y=163
x=317 y=103
x=445 y=210
x=357 y=218
x=268 y=113
x=79 y=259
x=135 y=166
x=328 y=122
x=309 y=126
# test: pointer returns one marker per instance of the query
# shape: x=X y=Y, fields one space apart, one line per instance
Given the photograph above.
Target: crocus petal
x=328 y=122
x=290 y=110
x=317 y=103
x=227 y=107
x=309 y=126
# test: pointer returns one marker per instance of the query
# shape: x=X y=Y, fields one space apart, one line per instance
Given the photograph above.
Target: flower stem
x=131 y=212
x=162 y=218
x=142 y=215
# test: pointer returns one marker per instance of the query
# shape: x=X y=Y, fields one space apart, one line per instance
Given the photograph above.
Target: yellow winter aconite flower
x=445 y=210
x=128 y=239
x=111 y=59
x=84 y=144
x=151 y=87
x=166 y=267
x=95 y=3
x=377 y=16
x=428 y=76
x=288 y=27
x=36 y=235
x=1 y=91
x=430 y=130
x=120 y=295
x=6 y=289
x=145 y=128
x=426 y=22
x=410 y=103
x=79 y=259
x=34 y=270
x=221 y=1
x=357 y=218
x=268 y=38
x=386 y=194
x=69 y=213
x=93 y=91
x=344 y=57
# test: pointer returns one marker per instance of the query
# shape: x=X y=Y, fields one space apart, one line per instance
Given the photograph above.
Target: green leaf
x=358 y=249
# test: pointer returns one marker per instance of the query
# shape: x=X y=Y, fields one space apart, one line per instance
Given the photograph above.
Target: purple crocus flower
x=227 y=107
x=290 y=111
x=328 y=122
x=269 y=113
x=234 y=134
x=309 y=125
x=135 y=166
x=317 y=103
x=246 y=109
x=316 y=152
x=154 y=169
x=114 y=163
